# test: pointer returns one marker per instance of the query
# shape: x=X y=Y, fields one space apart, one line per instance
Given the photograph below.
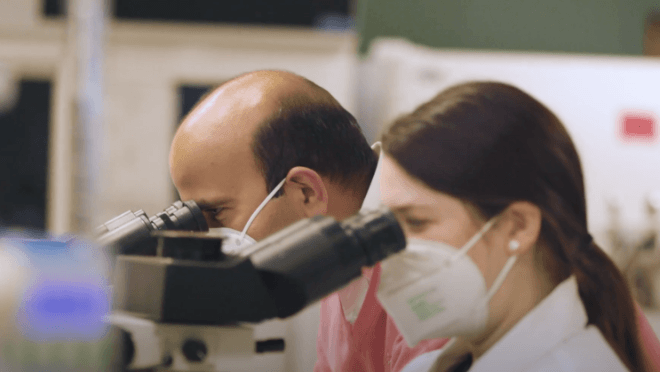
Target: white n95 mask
x=234 y=241
x=433 y=290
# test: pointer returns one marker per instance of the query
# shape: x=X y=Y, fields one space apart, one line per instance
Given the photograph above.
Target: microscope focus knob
x=194 y=350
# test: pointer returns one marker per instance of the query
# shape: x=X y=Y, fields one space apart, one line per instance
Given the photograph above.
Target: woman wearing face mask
x=488 y=187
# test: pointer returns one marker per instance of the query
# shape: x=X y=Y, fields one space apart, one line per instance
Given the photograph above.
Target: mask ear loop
x=259 y=208
x=501 y=276
x=513 y=246
x=461 y=252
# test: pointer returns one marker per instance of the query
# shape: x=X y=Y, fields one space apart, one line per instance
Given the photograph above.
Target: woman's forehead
x=399 y=189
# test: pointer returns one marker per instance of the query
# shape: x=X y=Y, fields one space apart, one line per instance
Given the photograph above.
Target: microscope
x=184 y=305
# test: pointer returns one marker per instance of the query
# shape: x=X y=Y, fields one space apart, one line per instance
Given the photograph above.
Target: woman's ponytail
x=608 y=302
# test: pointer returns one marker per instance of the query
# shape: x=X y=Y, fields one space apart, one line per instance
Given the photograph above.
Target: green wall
x=579 y=26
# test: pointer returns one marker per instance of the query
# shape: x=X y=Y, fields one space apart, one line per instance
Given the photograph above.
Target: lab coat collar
x=560 y=315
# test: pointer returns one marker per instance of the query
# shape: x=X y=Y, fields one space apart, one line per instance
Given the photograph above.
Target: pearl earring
x=514 y=245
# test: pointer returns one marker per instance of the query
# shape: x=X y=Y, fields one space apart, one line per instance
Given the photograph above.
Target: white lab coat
x=553 y=337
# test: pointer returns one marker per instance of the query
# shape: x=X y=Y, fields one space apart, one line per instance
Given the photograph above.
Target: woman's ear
x=522 y=221
x=307 y=190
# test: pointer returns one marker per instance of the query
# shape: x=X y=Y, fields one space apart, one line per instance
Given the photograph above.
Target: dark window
x=276 y=12
x=24 y=156
x=325 y=14
x=189 y=95
x=54 y=8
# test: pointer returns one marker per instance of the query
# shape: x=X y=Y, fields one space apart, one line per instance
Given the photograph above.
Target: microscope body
x=187 y=306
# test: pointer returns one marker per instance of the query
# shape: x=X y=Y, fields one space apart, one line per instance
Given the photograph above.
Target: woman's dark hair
x=490 y=144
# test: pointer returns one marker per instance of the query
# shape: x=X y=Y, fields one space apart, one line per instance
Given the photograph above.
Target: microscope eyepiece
x=314 y=257
x=129 y=228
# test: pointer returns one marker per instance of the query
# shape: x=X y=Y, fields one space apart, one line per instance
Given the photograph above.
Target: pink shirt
x=649 y=341
x=371 y=344
x=374 y=344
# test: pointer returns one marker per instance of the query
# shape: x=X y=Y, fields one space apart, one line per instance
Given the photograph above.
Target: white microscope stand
x=207 y=348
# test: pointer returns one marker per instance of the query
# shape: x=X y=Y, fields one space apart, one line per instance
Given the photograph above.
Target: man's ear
x=307 y=187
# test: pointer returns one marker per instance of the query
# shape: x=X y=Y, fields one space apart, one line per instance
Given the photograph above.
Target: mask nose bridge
x=259 y=208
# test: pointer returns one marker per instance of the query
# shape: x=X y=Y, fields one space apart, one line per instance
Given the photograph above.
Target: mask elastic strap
x=260 y=207
x=461 y=252
x=501 y=276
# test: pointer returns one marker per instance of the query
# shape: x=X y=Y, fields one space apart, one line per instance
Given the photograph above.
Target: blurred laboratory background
x=92 y=91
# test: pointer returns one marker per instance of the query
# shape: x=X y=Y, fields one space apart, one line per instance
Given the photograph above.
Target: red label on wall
x=639 y=126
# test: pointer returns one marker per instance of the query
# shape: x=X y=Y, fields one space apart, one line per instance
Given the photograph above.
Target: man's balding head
x=237 y=108
x=248 y=134
x=245 y=102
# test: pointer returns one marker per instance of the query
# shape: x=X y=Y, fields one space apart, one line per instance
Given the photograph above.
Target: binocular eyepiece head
x=129 y=228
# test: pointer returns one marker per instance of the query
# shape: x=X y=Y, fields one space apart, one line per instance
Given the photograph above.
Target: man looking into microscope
x=269 y=148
